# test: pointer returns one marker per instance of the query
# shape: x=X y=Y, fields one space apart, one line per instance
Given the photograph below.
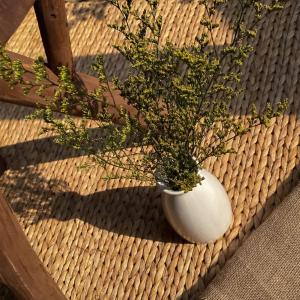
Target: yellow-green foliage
x=182 y=94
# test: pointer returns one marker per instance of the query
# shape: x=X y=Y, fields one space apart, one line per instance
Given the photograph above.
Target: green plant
x=182 y=97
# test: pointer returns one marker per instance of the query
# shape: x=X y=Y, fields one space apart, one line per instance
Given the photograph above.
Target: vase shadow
x=129 y=211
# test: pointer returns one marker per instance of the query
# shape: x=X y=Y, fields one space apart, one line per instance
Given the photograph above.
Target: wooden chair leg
x=52 y=20
x=20 y=268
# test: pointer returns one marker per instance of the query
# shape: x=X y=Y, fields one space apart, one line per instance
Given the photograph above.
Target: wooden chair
x=20 y=268
x=52 y=21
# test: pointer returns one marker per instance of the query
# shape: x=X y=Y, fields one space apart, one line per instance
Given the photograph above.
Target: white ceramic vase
x=202 y=215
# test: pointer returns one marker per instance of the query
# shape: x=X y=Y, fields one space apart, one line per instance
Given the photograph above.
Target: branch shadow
x=40 y=151
x=83 y=9
x=129 y=211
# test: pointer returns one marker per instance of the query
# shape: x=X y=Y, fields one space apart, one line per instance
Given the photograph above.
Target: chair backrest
x=12 y=13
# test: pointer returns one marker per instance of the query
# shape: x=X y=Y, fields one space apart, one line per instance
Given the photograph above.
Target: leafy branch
x=183 y=95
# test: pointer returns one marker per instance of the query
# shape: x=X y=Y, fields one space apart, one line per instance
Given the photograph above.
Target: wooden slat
x=52 y=20
x=17 y=96
x=20 y=268
x=12 y=13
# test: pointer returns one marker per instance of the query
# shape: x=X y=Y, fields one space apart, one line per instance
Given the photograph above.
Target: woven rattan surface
x=110 y=240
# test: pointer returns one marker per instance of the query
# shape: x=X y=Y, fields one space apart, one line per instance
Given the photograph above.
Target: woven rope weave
x=110 y=240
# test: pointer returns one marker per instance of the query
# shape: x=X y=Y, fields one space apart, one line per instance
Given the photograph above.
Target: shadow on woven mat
x=40 y=147
x=36 y=198
x=93 y=9
x=132 y=211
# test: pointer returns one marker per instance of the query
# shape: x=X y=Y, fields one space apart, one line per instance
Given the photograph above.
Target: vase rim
x=167 y=190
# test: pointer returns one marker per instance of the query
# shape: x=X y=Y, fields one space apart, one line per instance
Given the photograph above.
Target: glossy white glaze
x=202 y=215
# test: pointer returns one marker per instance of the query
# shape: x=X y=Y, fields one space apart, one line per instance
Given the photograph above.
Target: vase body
x=202 y=215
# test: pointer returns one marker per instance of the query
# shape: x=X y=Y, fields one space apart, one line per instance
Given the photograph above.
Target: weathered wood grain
x=20 y=268
x=52 y=20
x=12 y=13
x=16 y=95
